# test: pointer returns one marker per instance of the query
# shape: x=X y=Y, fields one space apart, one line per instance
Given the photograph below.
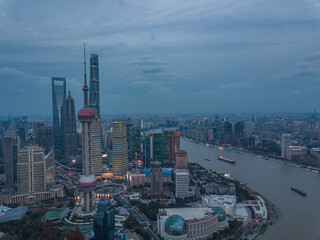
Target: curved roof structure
x=175 y=226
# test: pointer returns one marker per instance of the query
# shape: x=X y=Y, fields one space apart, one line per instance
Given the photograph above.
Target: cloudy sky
x=163 y=56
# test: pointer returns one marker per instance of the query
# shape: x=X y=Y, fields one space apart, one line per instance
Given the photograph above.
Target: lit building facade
x=31 y=170
x=54 y=192
x=140 y=178
x=182 y=183
x=96 y=147
x=285 y=143
x=119 y=149
x=174 y=145
x=181 y=159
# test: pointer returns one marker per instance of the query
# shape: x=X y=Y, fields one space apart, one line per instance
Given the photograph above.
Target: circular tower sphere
x=86 y=114
x=87 y=183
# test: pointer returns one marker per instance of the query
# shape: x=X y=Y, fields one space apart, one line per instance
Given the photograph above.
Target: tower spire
x=85 y=87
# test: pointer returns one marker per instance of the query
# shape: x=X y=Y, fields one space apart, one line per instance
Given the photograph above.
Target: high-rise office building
x=94 y=93
x=158 y=148
x=44 y=137
x=109 y=140
x=134 y=142
x=174 y=144
x=238 y=132
x=69 y=129
x=10 y=152
x=181 y=159
x=50 y=167
x=104 y=221
x=147 y=150
x=182 y=183
x=156 y=181
x=285 y=143
x=22 y=135
x=119 y=149
x=227 y=132
x=161 y=147
x=31 y=170
x=58 y=100
x=96 y=147
x=87 y=181
x=95 y=129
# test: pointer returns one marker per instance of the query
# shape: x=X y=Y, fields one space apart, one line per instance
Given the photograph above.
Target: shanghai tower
x=94 y=104
x=94 y=94
x=87 y=181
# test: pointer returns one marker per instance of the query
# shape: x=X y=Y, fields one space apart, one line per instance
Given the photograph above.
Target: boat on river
x=298 y=191
x=226 y=160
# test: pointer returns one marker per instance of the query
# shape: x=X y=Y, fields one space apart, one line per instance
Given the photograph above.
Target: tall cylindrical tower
x=87 y=181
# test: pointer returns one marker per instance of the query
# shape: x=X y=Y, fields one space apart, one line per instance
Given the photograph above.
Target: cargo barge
x=298 y=191
x=226 y=160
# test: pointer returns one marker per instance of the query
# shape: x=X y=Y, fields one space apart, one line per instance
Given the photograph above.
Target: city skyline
x=165 y=57
x=196 y=120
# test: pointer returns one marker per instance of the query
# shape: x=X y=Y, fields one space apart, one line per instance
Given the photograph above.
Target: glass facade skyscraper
x=104 y=221
x=58 y=100
x=94 y=94
x=44 y=137
x=10 y=153
x=95 y=127
x=69 y=129
x=134 y=142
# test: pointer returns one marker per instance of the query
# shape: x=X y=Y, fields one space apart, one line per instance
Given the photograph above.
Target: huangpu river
x=300 y=216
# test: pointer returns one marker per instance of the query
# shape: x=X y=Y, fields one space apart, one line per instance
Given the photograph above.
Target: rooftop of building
x=181 y=171
x=221 y=199
x=4 y=209
x=181 y=152
x=187 y=213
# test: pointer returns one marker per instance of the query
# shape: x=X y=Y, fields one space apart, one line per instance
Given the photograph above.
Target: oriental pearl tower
x=87 y=181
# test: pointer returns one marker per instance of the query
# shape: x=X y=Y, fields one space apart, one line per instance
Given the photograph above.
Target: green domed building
x=175 y=226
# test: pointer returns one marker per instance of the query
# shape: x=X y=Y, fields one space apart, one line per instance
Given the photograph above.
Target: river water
x=300 y=216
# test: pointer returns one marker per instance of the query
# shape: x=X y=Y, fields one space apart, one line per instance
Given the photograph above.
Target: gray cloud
x=292 y=93
x=237 y=85
x=193 y=50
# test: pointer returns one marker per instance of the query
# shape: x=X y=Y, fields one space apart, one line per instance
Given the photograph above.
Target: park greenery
x=30 y=227
x=228 y=232
x=132 y=224
x=150 y=209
